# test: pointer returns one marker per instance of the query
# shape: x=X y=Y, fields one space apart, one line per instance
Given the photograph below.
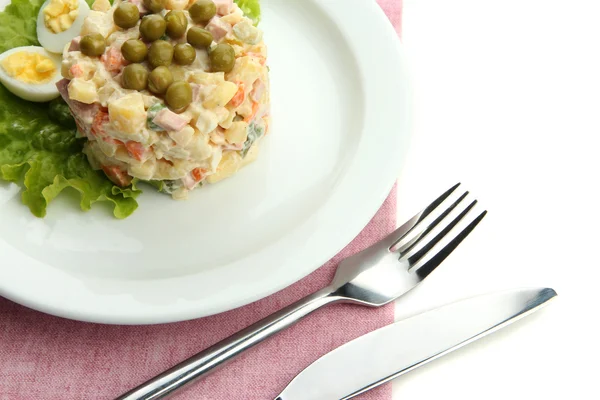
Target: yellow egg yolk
x=59 y=15
x=29 y=67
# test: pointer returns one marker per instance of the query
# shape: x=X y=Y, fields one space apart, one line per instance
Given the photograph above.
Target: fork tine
x=393 y=238
x=423 y=271
x=414 y=256
x=406 y=247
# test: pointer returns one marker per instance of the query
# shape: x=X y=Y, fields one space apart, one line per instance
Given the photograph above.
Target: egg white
x=37 y=92
x=56 y=42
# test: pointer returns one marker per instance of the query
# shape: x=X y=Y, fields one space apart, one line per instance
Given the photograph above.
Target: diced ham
x=62 y=87
x=189 y=182
x=223 y=6
x=196 y=91
x=258 y=90
x=75 y=44
x=170 y=121
x=218 y=28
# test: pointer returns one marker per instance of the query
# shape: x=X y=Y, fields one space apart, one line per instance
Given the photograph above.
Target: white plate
x=339 y=94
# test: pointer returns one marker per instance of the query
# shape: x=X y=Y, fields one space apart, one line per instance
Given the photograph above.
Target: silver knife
x=396 y=349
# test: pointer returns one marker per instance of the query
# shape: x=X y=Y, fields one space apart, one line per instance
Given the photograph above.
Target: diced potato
x=65 y=68
x=199 y=147
x=221 y=95
x=234 y=17
x=247 y=32
x=238 y=133
x=206 y=122
x=127 y=113
x=83 y=91
x=217 y=138
x=143 y=171
x=205 y=78
x=117 y=38
x=227 y=119
x=101 y=5
x=183 y=137
x=98 y=22
x=229 y=165
x=246 y=70
x=100 y=77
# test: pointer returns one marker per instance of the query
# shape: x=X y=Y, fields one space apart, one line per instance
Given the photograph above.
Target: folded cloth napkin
x=47 y=358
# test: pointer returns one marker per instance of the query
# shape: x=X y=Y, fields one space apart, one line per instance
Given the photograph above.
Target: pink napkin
x=46 y=358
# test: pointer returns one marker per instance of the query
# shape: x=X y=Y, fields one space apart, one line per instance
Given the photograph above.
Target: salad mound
x=198 y=129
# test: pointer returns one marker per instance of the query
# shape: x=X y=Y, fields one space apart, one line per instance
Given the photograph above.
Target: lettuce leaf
x=38 y=153
x=251 y=9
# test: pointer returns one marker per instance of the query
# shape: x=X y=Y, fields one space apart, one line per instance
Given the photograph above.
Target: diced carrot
x=135 y=149
x=250 y=117
x=117 y=175
x=239 y=97
x=100 y=119
x=113 y=60
x=76 y=71
x=198 y=174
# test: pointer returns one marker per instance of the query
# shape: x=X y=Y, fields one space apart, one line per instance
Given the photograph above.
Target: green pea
x=126 y=15
x=160 y=54
x=153 y=27
x=135 y=76
x=222 y=58
x=179 y=95
x=159 y=80
x=155 y=6
x=184 y=54
x=134 y=50
x=202 y=11
x=199 y=38
x=177 y=23
x=92 y=45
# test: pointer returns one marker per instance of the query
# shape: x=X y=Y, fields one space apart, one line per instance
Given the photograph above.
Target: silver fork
x=374 y=277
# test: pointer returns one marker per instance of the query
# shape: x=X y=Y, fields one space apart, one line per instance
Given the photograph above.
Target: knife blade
x=384 y=354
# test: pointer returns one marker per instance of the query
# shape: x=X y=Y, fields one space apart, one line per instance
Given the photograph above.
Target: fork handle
x=207 y=360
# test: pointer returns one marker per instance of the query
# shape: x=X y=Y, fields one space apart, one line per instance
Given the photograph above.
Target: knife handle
x=207 y=360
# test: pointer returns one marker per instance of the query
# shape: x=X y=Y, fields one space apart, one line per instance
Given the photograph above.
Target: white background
x=507 y=101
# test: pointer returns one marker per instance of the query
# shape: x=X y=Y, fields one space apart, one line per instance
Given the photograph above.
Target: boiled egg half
x=31 y=73
x=59 y=21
